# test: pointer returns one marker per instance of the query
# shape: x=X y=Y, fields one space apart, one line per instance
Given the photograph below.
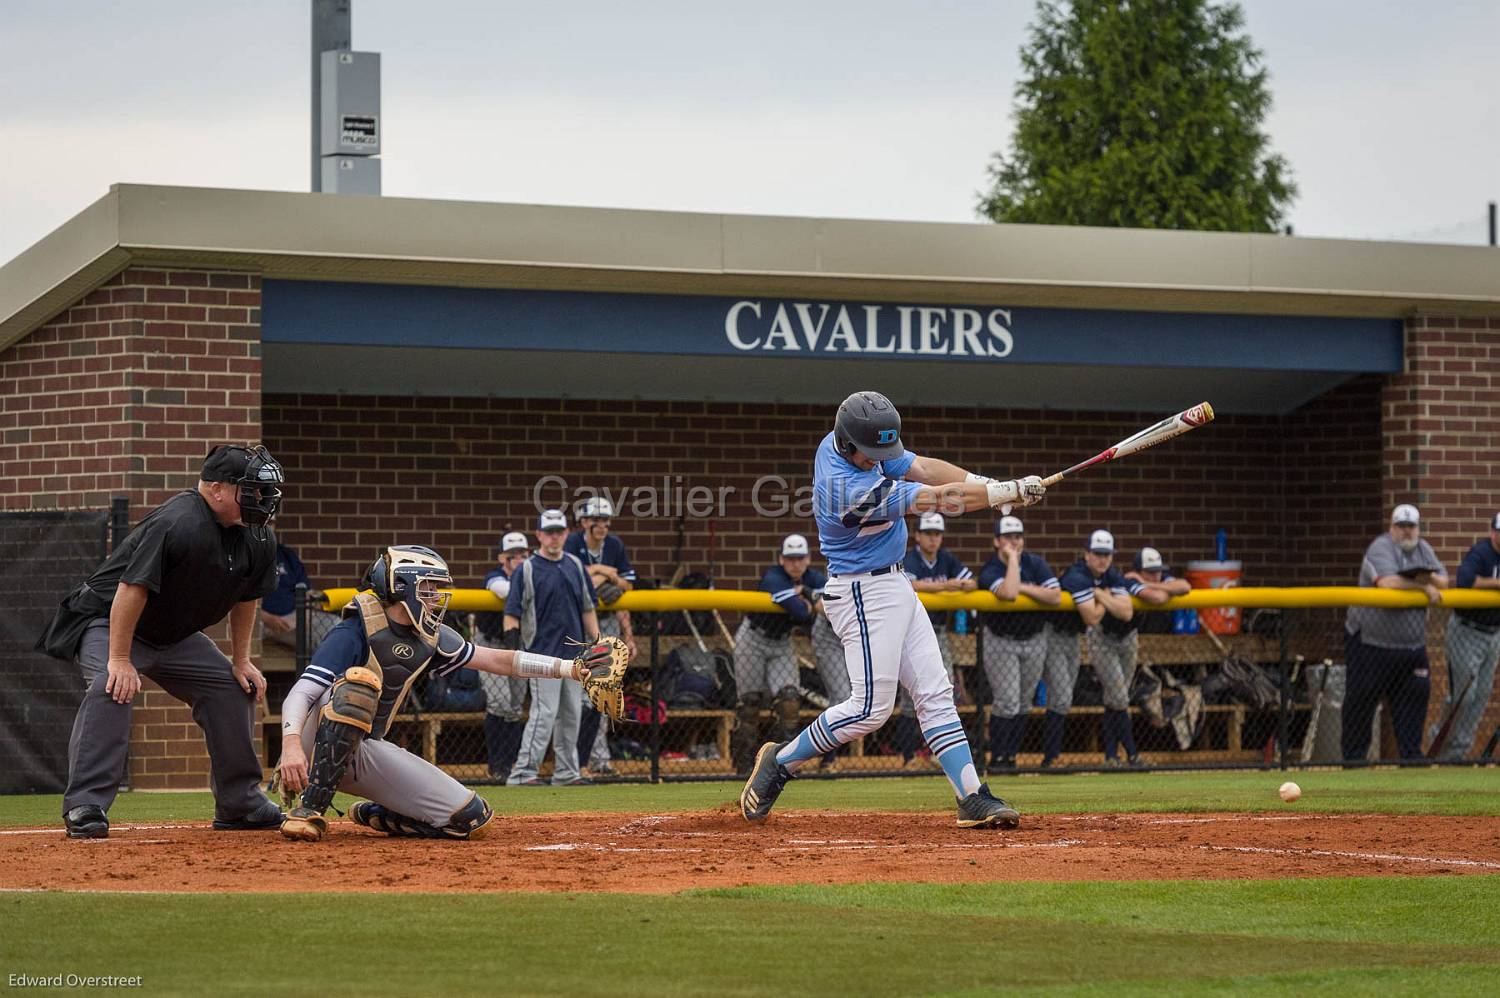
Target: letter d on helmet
x=868 y=422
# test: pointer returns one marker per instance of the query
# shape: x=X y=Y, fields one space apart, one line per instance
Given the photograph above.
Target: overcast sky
x=1386 y=109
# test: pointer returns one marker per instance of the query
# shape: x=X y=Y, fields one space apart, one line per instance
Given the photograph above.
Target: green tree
x=1141 y=113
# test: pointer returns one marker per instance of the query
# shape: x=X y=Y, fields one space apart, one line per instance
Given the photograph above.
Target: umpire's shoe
x=264 y=817
x=982 y=809
x=86 y=821
x=767 y=778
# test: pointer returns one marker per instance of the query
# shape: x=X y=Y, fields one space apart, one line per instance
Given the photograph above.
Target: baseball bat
x=1441 y=741
x=1172 y=426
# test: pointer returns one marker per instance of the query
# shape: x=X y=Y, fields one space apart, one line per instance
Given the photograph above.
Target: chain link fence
x=1279 y=687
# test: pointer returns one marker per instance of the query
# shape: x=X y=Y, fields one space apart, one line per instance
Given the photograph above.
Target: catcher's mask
x=417 y=578
x=256 y=475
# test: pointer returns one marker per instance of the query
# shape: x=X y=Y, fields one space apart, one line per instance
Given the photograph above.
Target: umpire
x=204 y=553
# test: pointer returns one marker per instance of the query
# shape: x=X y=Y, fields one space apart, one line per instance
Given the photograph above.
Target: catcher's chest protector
x=397 y=658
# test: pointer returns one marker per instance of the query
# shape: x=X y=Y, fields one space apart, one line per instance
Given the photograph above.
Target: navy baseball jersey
x=345 y=646
x=783 y=590
x=1034 y=571
x=492 y=625
x=563 y=594
x=1482 y=562
x=289 y=572
x=944 y=568
x=1079 y=581
x=612 y=554
x=859 y=513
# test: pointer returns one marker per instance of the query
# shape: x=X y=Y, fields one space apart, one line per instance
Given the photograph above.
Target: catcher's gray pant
x=762 y=664
x=504 y=696
x=1114 y=664
x=556 y=707
x=828 y=651
x=1061 y=670
x=1471 y=655
x=194 y=671
x=392 y=777
x=1014 y=667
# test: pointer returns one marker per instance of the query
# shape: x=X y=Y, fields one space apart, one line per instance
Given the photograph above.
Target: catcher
x=340 y=708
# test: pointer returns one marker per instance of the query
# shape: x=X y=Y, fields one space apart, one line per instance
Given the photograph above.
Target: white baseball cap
x=794 y=546
x=1102 y=542
x=597 y=506
x=1009 y=525
x=1495 y=523
x=1149 y=560
x=514 y=541
x=1406 y=513
x=930 y=521
x=552 y=519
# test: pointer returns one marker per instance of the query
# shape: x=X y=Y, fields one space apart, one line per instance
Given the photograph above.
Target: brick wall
x=1440 y=421
x=121 y=395
x=458 y=472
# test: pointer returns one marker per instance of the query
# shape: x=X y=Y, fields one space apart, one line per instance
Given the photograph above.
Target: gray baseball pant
x=1470 y=653
x=1114 y=663
x=1014 y=667
x=762 y=664
x=194 y=671
x=828 y=652
x=392 y=777
x=556 y=708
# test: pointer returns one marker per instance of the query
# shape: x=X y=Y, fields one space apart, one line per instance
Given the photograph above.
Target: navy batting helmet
x=868 y=422
x=398 y=576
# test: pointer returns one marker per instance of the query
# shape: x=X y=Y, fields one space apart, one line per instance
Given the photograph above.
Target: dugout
x=418 y=366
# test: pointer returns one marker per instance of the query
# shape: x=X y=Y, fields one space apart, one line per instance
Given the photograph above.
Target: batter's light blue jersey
x=859 y=513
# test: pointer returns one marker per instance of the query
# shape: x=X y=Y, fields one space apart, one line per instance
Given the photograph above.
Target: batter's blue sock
x=799 y=749
x=950 y=746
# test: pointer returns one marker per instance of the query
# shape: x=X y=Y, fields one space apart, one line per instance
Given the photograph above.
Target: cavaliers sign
x=830 y=328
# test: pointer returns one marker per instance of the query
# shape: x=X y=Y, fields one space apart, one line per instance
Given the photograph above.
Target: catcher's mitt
x=606 y=661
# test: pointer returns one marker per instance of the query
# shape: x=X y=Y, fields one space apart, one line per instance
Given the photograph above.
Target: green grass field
x=1399 y=935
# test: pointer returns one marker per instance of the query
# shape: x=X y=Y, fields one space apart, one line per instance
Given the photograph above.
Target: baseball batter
x=340 y=710
x=864 y=483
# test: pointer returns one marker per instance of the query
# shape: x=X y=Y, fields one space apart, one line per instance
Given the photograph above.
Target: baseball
x=1290 y=791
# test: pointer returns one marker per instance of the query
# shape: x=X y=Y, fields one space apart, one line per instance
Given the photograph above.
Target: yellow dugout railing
x=755 y=601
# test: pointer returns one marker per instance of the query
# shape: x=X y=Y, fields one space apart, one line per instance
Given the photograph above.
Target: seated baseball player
x=341 y=707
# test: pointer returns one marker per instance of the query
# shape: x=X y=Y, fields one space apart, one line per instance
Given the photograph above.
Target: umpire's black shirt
x=195 y=569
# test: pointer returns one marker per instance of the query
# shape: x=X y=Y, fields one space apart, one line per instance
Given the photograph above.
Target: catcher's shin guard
x=346 y=720
x=468 y=822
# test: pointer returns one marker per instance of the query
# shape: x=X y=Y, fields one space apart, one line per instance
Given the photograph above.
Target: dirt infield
x=671 y=852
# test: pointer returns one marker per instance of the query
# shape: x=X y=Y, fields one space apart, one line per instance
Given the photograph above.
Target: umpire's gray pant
x=194 y=671
x=1114 y=664
x=556 y=708
x=1470 y=653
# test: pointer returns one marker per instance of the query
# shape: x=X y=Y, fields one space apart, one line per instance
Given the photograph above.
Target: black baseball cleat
x=265 y=817
x=1000 y=767
x=982 y=809
x=767 y=778
x=86 y=821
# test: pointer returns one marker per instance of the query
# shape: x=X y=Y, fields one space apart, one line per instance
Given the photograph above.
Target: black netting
x=45 y=555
